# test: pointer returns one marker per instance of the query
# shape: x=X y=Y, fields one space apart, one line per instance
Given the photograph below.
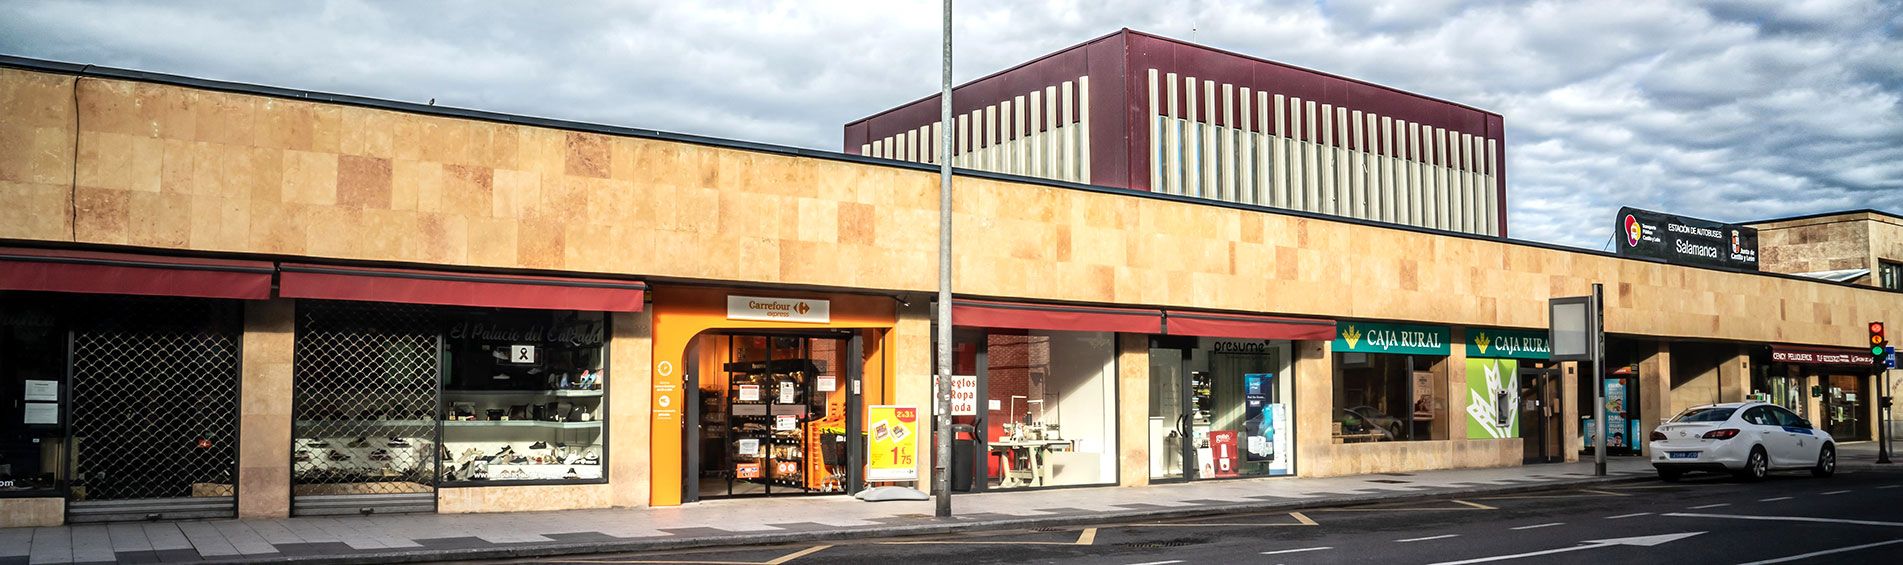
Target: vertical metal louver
x=154 y=406
x=365 y=400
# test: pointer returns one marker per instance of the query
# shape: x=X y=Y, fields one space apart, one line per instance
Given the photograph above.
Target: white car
x=1748 y=439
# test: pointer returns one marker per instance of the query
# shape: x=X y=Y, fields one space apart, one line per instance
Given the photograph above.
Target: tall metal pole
x=941 y=412
x=1598 y=379
x=1884 y=434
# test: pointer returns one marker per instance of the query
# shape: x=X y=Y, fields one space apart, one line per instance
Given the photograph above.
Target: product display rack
x=755 y=391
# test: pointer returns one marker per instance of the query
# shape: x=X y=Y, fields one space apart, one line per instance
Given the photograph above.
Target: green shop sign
x=1516 y=344
x=1372 y=337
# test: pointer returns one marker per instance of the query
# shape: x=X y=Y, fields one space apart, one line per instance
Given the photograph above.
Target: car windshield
x=1706 y=414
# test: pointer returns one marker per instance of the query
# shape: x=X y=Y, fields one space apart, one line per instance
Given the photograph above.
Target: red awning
x=1803 y=355
x=1025 y=316
x=98 y=272
x=1206 y=324
x=458 y=289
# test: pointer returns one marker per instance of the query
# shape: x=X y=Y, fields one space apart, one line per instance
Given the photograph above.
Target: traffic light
x=1877 y=340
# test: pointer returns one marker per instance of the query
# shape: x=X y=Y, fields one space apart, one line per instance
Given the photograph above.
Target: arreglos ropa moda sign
x=1686 y=241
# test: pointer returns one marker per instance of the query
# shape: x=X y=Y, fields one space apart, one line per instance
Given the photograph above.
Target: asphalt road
x=1855 y=517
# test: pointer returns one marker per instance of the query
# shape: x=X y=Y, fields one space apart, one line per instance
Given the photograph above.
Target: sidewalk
x=392 y=538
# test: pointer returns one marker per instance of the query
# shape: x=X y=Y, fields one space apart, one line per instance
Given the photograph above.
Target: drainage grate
x=154 y=408
x=364 y=392
x=1163 y=544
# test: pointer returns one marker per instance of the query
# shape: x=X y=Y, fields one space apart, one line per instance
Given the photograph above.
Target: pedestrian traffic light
x=1877 y=340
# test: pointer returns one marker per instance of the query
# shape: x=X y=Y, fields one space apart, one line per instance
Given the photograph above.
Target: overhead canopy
x=1250 y=326
x=1028 y=316
x=98 y=272
x=458 y=289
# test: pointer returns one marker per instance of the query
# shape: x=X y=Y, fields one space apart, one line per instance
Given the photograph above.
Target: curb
x=636 y=545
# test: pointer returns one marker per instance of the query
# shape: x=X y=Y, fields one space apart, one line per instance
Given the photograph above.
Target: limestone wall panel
x=172 y=167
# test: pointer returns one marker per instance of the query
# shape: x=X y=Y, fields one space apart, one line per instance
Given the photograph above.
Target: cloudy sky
x=1730 y=110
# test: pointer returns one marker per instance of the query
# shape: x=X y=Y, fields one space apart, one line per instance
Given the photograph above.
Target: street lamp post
x=941 y=412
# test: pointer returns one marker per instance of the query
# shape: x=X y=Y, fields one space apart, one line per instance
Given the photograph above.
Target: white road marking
x=1890 y=486
x=1833 y=492
x=1548 y=524
x=1442 y=536
x=1824 y=552
x=1632 y=515
x=1789 y=519
x=1159 y=562
x=1642 y=541
x=1296 y=550
x=1711 y=506
x=1774 y=499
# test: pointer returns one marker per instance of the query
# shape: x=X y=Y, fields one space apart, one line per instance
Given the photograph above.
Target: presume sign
x=1690 y=241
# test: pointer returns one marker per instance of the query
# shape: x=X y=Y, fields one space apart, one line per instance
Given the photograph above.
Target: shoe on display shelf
x=335 y=455
x=591 y=459
x=301 y=456
x=571 y=474
x=379 y=455
x=359 y=442
x=538 y=445
x=397 y=442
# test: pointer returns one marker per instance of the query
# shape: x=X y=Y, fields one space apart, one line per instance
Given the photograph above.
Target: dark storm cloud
x=1731 y=110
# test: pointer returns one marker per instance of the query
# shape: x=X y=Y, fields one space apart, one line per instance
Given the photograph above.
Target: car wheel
x=1670 y=475
x=1755 y=466
x=1826 y=463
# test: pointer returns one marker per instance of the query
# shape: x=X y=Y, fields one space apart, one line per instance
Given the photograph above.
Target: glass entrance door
x=772 y=415
x=1843 y=407
x=1539 y=415
x=1170 y=445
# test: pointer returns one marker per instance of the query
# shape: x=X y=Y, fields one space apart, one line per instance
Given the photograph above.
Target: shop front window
x=1384 y=397
x=32 y=371
x=1225 y=405
x=523 y=397
x=1050 y=399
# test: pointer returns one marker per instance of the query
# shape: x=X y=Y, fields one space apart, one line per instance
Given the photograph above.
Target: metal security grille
x=366 y=379
x=154 y=408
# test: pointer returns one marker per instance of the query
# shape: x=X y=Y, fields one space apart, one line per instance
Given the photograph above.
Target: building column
x=1454 y=382
x=912 y=351
x=1655 y=391
x=1569 y=410
x=264 y=433
x=1133 y=410
x=1314 y=407
x=1734 y=375
x=630 y=396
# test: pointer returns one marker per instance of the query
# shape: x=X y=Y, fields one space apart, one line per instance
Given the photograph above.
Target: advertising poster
x=1423 y=396
x=892 y=447
x=1260 y=442
x=1222 y=448
x=1282 y=435
x=1493 y=390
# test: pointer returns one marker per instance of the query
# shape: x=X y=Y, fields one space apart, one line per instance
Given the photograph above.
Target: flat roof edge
x=59 y=67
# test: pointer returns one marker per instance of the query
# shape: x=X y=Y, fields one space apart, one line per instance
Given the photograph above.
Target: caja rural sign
x=1514 y=344
x=1375 y=337
x=1688 y=241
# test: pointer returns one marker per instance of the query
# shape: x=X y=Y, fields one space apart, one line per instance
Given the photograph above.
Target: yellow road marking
x=1476 y=505
x=1605 y=492
x=798 y=554
x=1303 y=518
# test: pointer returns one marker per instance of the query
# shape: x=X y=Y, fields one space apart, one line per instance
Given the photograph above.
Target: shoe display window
x=523 y=398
